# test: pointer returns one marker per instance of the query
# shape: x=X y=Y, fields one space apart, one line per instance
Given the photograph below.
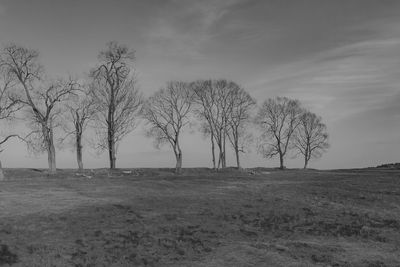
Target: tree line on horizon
x=109 y=101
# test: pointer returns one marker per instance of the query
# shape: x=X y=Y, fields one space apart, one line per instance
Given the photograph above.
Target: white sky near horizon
x=340 y=58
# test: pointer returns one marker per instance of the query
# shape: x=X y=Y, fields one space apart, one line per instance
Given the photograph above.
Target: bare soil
x=152 y=217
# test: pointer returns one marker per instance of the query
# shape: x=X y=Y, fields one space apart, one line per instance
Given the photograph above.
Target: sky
x=340 y=58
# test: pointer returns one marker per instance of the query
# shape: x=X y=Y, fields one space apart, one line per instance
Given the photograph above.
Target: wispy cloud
x=344 y=80
x=184 y=26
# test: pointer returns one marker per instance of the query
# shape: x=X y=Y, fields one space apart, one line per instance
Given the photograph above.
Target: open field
x=201 y=218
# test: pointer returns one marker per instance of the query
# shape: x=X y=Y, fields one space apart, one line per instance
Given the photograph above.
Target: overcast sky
x=341 y=58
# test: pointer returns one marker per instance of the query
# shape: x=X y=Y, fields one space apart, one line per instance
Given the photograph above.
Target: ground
x=200 y=218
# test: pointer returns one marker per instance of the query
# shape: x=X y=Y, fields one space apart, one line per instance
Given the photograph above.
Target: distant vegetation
x=390 y=165
x=109 y=102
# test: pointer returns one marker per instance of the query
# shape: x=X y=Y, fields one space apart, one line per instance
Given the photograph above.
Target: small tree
x=311 y=137
x=117 y=99
x=278 y=119
x=238 y=117
x=167 y=113
x=80 y=110
x=8 y=106
x=41 y=100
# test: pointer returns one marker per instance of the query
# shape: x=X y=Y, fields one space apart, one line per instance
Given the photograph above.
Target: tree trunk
x=1 y=173
x=79 y=150
x=223 y=162
x=111 y=149
x=213 y=149
x=236 y=136
x=237 y=157
x=51 y=157
x=223 y=151
x=112 y=156
x=111 y=131
x=305 y=164
x=281 y=162
x=219 y=156
x=178 y=165
x=51 y=151
x=305 y=161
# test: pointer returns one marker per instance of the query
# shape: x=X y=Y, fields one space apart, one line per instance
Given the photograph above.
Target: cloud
x=207 y=12
x=351 y=78
x=187 y=23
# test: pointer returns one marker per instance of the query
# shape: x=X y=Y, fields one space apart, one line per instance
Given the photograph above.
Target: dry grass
x=199 y=218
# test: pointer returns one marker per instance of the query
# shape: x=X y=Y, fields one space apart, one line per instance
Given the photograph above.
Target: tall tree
x=167 y=112
x=9 y=105
x=117 y=97
x=215 y=105
x=80 y=111
x=205 y=98
x=42 y=100
x=225 y=89
x=277 y=118
x=311 y=137
x=238 y=117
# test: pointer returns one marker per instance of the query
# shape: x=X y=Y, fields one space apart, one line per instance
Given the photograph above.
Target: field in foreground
x=201 y=218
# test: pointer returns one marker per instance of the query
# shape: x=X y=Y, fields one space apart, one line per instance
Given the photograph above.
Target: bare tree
x=167 y=111
x=117 y=98
x=278 y=119
x=9 y=105
x=214 y=106
x=41 y=100
x=224 y=89
x=238 y=117
x=205 y=97
x=80 y=111
x=311 y=137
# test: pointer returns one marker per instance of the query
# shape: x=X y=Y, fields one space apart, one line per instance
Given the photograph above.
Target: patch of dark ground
x=289 y=218
x=103 y=236
x=6 y=256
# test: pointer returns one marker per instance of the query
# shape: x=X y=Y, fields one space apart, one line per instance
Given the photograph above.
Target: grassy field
x=201 y=218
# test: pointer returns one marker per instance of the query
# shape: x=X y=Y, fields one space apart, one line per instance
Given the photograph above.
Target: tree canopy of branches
x=278 y=119
x=80 y=110
x=9 y=105
x=117 y=99
x=311 y=137
x=167 y=111
x=214 y=106
x=41 y=99
x=238 y=117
